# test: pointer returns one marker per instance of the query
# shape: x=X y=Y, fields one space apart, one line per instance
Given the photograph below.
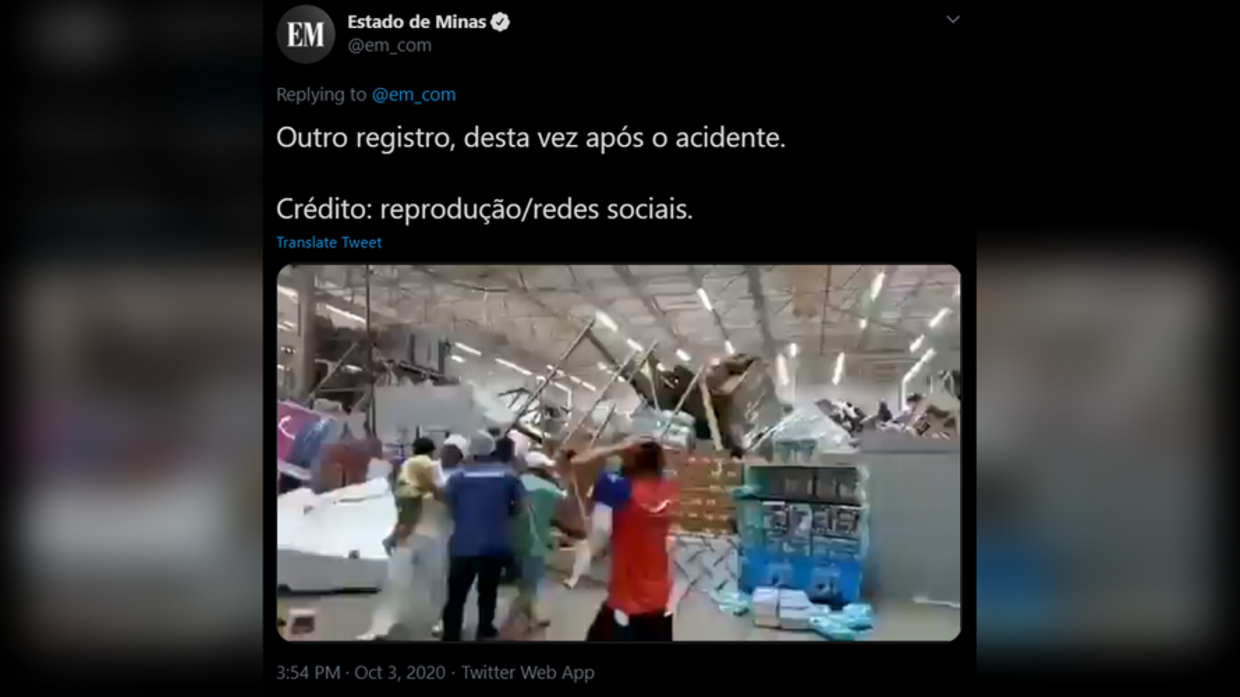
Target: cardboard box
x=796 y=620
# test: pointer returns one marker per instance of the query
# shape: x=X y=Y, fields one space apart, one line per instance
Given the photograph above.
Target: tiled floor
x=344 y=617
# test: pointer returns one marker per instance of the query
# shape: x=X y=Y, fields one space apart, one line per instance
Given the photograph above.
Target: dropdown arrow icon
x=953 y=19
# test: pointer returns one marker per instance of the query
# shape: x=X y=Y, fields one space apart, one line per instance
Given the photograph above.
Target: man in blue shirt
x=483 y=498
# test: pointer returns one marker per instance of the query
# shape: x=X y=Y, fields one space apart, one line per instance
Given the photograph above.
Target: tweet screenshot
x=504 y=415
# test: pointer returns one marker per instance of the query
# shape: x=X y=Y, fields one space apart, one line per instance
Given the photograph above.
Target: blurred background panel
x=132 y=154
x=1098 y=464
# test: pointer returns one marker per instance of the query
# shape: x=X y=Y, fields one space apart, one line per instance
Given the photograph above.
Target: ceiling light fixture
x=514 y=366
x=956 y=295
x=705 y=300
x=864 y=323
x=731 y=350
x=839 y=369
x=456 y=358
x=287 y=326
x=605 y=319
x=634 y=345
x=287 y=292
x=603 y=366
x=792 y=350
x=575 y=379
x=345 y=314
x=916 y=343
x=877 y=286
x=912 y=372
x=781 y=369
x=588 y=386
x=682 y=355
x=934 y=322
x=350 y=368
x=467 y=349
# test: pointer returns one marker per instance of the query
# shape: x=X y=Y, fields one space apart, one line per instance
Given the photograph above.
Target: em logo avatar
x=306 y=34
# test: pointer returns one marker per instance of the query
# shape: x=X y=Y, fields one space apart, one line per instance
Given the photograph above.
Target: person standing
x=483 y=497
x=413 y=592
x=451 y=455
x=640 y=599
x=532 y=538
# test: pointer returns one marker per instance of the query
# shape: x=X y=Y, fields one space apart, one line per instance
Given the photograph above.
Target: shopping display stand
x=804 y=525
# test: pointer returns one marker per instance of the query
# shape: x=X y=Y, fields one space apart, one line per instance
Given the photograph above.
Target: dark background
x=133 y=162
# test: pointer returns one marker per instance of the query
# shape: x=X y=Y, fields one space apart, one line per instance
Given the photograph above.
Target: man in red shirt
x=643 y=503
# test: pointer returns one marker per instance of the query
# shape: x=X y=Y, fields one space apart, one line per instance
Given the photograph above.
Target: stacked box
x=765 y=607
x=794 y=610
x=774 y=526
x=798 y=537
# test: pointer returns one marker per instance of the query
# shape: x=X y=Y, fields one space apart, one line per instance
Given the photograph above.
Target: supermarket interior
x=602 y=452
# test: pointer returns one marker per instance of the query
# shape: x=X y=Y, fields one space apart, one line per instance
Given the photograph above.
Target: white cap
x=457 y=441
x=481 y=444
x=537 y=460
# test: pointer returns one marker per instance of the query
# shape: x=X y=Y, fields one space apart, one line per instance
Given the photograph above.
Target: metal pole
x=597 y=400
x=370 y=360
x=684 y=397
x=614 y=377
x=332 y=369
x=550 y=375
x=602 y=427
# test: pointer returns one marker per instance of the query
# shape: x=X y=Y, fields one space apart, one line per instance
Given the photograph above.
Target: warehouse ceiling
x=874 y=314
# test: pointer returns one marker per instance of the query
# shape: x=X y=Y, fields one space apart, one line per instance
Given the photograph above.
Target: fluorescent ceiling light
x=611 y=323
x=934 y=322
x=912 y=372
x=728 y=345
x=864 y=323
x=662 y=368
x=556 y=384
x=588 y=386
x=287 y=326
x=705 y=300
x=514 y=366
x=876 y=286
x=457 y=358
x=603 y=366
x=350 y=368
x=916 y=343
x=280 y=367
x=467 y=349
x=636 y=346
x=343 y=313
x=575 y=379
x=781 y=369
x=839 y=369
x=792 y=350
x=682 y=355
x=287 y=292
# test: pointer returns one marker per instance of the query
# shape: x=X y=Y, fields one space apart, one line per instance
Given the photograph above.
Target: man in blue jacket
x=483 y=498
